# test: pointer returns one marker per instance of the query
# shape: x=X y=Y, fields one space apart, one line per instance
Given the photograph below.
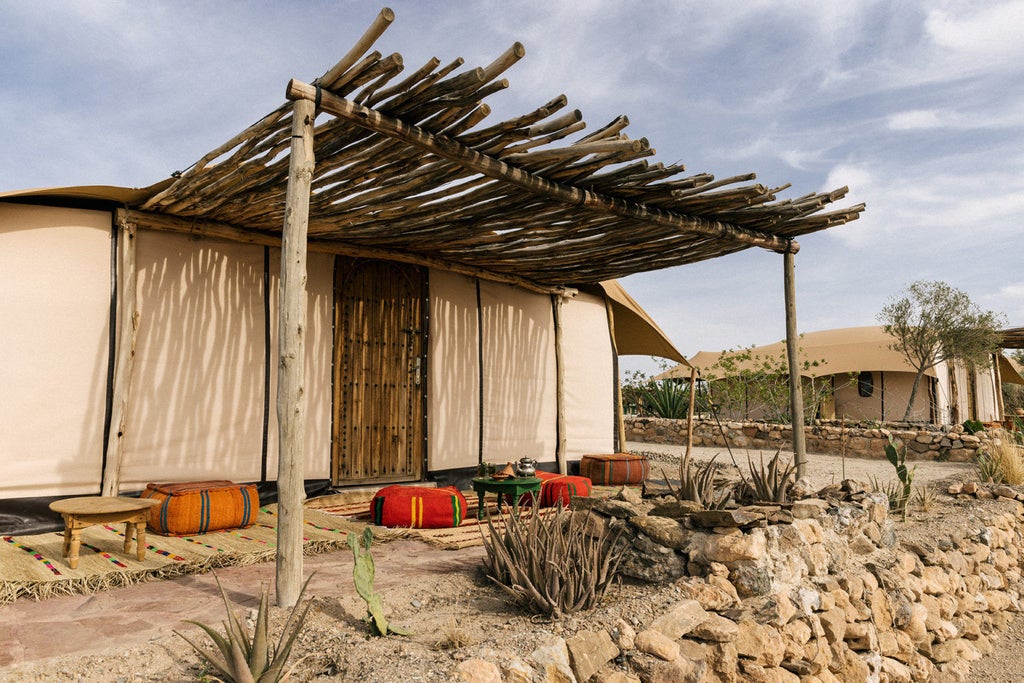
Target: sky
x=917 y=107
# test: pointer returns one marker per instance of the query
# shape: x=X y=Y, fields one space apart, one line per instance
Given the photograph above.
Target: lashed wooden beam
x=455 y=151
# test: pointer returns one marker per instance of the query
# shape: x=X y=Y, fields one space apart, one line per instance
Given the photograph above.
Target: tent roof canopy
x=407 y=168
x=838 y=351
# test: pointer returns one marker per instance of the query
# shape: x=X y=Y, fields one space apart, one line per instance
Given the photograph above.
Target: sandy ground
x=822 y=470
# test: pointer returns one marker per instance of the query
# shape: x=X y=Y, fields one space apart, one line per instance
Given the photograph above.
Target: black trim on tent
x=115 y=235
x=266 y=362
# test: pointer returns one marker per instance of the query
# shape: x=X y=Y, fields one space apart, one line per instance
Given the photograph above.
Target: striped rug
x=33 y=566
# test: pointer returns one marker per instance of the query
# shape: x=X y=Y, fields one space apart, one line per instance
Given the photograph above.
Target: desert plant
x=252 y=658
x=893 y=491
x=699 y=486
x=665 y=398
x=771 y=483
x=973 y=426
x=1001 y=463
x=925 y=497
x=363 y=572
x=897 y=456
x=552 y=564
x=989 y=469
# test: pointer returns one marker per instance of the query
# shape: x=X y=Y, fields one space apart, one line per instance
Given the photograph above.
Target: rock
x=751 y=581
x=809 y=508
x=478 y=671
x=728 y=548
x=616 y=508
x=711 y=596
x=663 y=530
x=656 y=643
x=648 y=561
x=629 y=494
x=1004 y=491
x=615 y=677
x=589 y=651
x=680 y=620
x=682 y=670
x=624 y=635
x=676 y=509
x=970 y=488
x=518 y=671
x=759 y=643
x=551 y=660
x=709 y=519
x=717 y=629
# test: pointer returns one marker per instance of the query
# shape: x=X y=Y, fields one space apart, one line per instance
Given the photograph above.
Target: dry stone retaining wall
x=824 y=590
x=924 y=442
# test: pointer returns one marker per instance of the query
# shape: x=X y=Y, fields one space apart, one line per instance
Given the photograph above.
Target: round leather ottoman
x=615 y=469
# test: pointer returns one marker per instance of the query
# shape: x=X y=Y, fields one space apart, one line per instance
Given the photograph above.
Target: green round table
x=514 y=486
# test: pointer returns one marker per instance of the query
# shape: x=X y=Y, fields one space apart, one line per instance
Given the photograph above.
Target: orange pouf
x=197 y=507
x=615 y=469
x=557 y=489
x=418 y=507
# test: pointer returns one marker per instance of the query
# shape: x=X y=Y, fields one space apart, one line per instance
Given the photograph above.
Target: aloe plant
x=363 y=572
x=771 y=483
x=242 y=657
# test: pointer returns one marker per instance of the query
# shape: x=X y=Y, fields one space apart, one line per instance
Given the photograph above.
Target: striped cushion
x=201 y=506
x=557 y=489
x=418 y=507
x=615 y=469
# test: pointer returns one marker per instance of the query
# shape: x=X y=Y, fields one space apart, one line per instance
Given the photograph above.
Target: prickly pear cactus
x=362 y=574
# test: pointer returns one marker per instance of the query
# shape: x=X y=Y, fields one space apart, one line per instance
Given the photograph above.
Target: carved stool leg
x=140 y=539
x=76 y=544
x=129 y=530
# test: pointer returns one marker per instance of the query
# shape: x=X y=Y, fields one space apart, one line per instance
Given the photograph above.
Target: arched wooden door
x=379 y=372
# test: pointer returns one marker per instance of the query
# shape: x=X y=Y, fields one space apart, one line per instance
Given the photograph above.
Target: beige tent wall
x=988 y=405
x=453 y=373
x=319 y=349
x=196 y=408
x=54 y=311
x=851 y=405
x=942 y=406
x=589 y=377
x=518 y=374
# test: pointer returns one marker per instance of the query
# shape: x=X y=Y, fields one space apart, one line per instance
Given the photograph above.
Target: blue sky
x=917 y=106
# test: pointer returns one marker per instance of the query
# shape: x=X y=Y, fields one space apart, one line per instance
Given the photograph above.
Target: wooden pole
x=291 y=332
x=796 y=399
x=491 y=167
x=689 y=419
x=559 y=386
x=620 y=422
x=125 y=360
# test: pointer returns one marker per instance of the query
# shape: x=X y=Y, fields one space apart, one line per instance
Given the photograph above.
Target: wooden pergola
x=363 y=163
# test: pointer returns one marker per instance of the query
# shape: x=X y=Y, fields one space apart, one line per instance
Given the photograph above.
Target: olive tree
x=933 y=322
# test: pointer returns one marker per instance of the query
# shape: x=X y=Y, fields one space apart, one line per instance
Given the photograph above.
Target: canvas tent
x=870 y=381
x=434 y=287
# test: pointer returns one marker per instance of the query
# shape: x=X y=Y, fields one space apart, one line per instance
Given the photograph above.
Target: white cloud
x=982 y=33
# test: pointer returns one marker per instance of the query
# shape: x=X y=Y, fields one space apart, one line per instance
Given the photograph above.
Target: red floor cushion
x=557 y=489
x=615 y=469
x=418 y=507
x=197 y=507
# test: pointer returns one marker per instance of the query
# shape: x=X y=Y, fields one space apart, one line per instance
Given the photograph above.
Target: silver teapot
x=526 y=467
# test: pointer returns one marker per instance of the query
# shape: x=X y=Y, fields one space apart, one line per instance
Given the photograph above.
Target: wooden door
x=379 y=372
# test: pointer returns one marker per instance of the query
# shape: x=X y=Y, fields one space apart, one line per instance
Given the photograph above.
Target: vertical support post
x=689 y=421
x=796 y=399
x=620 y=422
x=997 y=377
x=291 y=332
x=560 y=386
x=128 y=329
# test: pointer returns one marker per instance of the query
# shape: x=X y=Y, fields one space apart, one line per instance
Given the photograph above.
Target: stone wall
x=822 y=590
x=924 y=442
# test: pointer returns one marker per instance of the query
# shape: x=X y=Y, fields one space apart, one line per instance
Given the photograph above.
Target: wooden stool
x=79 y=513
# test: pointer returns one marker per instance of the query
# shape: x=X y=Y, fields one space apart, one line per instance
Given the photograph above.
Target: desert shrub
x=552 y=564
x=1002 y=463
